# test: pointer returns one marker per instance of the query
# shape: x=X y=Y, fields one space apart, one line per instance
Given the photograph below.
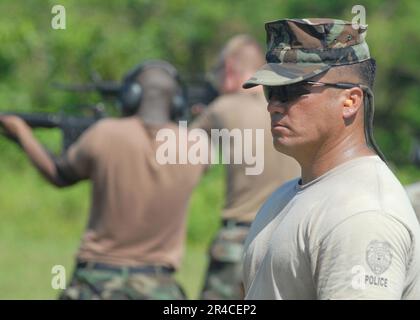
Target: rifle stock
x=71 y=126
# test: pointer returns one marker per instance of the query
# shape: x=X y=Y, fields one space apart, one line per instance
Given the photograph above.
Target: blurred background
x=40 y=226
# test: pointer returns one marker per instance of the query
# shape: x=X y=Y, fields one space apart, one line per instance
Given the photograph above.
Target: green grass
x=41 y=226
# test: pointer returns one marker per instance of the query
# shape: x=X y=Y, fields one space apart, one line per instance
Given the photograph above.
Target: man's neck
x=154 y=117
x=332 y=155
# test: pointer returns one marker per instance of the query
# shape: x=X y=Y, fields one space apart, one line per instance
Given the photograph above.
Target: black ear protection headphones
x=130 y=94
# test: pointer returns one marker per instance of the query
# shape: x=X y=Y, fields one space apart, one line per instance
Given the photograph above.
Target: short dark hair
x=365 y=71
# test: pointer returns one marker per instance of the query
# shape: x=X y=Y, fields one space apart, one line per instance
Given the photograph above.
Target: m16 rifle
x=199 y=94
x=71 y=126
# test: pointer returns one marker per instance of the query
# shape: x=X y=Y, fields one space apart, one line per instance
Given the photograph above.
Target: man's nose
x=276 y=106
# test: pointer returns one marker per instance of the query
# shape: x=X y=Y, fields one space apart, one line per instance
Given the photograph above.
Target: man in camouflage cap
x=345 y=229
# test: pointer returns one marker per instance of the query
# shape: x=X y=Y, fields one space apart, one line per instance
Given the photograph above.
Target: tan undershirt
x=349 y=234
x=139 y=207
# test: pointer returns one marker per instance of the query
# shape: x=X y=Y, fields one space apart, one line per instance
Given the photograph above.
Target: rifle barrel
x=37 y=120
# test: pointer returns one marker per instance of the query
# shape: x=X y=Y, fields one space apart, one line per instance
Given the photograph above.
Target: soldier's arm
x=364 y=257
x=18 y=130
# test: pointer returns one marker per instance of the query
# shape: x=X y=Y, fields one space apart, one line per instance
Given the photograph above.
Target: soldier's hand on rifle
x=13 y=126
x=197 y=109
x=19 y=131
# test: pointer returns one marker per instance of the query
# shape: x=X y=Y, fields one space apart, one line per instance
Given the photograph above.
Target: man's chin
x=283 y=146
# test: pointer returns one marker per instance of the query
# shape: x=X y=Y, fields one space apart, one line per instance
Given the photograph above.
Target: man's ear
x=352 y=102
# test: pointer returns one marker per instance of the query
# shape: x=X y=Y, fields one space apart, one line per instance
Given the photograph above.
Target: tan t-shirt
x=350 y=234
x=246 y=193
x=139 y=206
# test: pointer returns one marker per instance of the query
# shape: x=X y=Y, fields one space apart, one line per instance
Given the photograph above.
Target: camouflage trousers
x=224 y=274
x=92 y=284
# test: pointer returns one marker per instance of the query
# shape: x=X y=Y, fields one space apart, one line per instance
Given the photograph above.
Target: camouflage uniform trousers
x=224 y=274
x=92 y=284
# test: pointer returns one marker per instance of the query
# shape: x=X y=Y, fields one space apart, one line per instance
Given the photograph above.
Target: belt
x=234 y=223
x=120 y=269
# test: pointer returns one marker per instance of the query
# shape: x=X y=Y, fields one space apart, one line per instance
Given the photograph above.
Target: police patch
x=378 y=256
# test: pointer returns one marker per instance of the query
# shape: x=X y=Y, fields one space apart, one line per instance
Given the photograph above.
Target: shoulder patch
x=378 y=256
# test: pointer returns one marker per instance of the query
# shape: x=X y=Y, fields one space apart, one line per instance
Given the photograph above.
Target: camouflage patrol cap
x=299 y=49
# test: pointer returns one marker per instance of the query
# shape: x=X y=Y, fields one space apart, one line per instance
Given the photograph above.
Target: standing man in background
x=134 y=239
x=237 y=108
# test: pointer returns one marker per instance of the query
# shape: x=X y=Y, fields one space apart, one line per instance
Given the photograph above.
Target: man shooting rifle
x=135 y=236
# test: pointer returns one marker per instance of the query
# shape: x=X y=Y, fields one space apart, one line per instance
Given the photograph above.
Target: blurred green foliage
x=41 y=226
x=110 y=37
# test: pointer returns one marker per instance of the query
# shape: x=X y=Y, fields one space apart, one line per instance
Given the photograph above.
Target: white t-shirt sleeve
x=365 y=256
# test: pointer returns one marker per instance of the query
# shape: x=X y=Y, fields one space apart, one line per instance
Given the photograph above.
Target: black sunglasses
x=294 y=91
